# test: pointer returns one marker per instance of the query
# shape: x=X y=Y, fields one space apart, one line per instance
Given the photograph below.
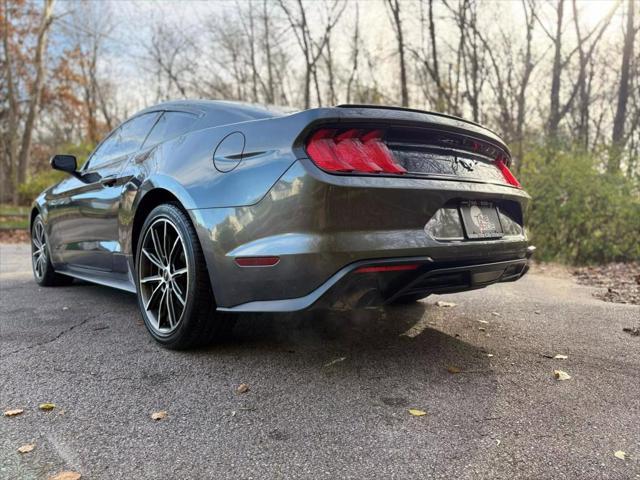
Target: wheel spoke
x=165 y=250
x=173 y=248
x=153 y=278
x=152 y=296
x=160 y=304
x=155 y=260
x=157 y=245
x=180 y=271
x=170 y=312
x=178 y=294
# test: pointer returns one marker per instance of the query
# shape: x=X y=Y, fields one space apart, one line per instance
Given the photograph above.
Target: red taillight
x=257 y=261
x=387 y=268
x=506 y=173
x=352 y=151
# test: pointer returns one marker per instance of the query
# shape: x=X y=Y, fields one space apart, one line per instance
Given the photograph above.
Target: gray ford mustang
x=203 y=208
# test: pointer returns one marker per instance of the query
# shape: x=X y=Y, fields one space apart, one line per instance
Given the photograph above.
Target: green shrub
x=579 y=214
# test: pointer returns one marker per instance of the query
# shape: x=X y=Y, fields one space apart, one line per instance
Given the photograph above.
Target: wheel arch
x=147 y=203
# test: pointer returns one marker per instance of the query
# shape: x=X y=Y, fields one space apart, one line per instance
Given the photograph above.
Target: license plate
x=481 y=219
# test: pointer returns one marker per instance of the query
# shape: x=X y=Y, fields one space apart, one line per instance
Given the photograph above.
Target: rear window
x=170 y=125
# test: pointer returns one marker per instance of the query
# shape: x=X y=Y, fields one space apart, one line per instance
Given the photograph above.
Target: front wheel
x=174 y=292
x=43 y=271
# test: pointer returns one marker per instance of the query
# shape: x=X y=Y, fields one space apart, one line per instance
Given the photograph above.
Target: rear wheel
x=174 y=292
x=43 y=271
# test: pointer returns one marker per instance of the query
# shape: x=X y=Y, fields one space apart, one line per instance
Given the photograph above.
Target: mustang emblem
x=468 y=165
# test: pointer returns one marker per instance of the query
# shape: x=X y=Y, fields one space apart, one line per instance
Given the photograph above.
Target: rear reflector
x=506 y=173
x=354 y=151
x=257 y=261
x=387 y=268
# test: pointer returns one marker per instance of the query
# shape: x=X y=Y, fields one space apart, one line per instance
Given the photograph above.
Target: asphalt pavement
x=329 y=394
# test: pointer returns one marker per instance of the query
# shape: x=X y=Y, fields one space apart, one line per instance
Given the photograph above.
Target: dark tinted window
x=126 y=139
x=170 y=125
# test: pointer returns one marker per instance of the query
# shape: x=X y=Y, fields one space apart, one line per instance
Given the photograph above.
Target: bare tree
x=18 y=158
x=618 y=136
x=557 y=110
x=396 y=20
x=311 y=48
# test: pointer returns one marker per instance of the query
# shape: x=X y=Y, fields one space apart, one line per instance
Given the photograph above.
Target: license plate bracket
x=480 y=219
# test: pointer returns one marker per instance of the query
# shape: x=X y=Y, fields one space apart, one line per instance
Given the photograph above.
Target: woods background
x=559 y=80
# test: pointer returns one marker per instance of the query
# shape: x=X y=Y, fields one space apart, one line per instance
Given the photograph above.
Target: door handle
x=109 y=181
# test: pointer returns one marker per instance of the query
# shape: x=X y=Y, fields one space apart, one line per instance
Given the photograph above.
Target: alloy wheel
x=39 y=250
x=163 y=276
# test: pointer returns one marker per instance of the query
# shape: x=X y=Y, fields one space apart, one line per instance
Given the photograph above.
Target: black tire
x=43 y=271
x=408 y=299
x=198 y=323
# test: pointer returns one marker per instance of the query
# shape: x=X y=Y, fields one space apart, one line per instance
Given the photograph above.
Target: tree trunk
x=554 y=101
x=617 y=137
x=34 y=101
x=394 y=5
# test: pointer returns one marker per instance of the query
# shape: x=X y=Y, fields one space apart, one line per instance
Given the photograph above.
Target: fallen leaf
x=482 y=329
x=441 y=303
x=242 y=388
x=26 y=448
x=337 y=360
x=13 y=413
x=159 y=415
x=635 y=331
x=47 y=406
x=546 y=355
x=489 y=355
x=537 y=312
x=497 y=442
x=560 y=375
x=560 y=357
x=620 y=454
x=417 y=413
x=65 y=308
x=495 y=314
x=483 y=321
x=66 y=476
x=453 y=370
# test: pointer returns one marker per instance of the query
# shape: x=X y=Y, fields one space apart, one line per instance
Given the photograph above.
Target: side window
x=126 y=139
x=170 y=125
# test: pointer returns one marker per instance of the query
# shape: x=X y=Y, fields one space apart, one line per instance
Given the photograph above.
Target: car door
x=87 y=235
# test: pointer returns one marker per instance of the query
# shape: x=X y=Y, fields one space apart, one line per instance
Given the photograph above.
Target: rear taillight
x=506 y=173
x=356 y=151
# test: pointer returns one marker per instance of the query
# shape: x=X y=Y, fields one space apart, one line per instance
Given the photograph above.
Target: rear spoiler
x=405 y=109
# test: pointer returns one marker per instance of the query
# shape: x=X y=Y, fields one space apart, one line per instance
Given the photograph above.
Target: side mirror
x=65 y=163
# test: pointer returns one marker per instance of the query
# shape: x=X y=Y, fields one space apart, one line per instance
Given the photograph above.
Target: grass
x=12 y=216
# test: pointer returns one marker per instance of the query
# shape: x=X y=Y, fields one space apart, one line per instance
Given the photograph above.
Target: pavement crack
x=51 y=340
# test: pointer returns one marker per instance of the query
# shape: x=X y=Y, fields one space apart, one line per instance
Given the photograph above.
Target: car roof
x=248 y=111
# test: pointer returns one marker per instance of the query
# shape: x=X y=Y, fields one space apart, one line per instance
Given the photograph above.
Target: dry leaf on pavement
x=66 y=476
x=13 y=412
x=560 y=375
x=159 y=415
x=452 y=369
x=620 y=454
x=441 y=303
x=560 y=357
x=417 y=413
x=337 y=360
x=47 y=406
x=242 y=388
x=27 y=448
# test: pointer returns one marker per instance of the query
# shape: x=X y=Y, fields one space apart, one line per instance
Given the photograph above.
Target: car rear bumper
x=363 y=284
